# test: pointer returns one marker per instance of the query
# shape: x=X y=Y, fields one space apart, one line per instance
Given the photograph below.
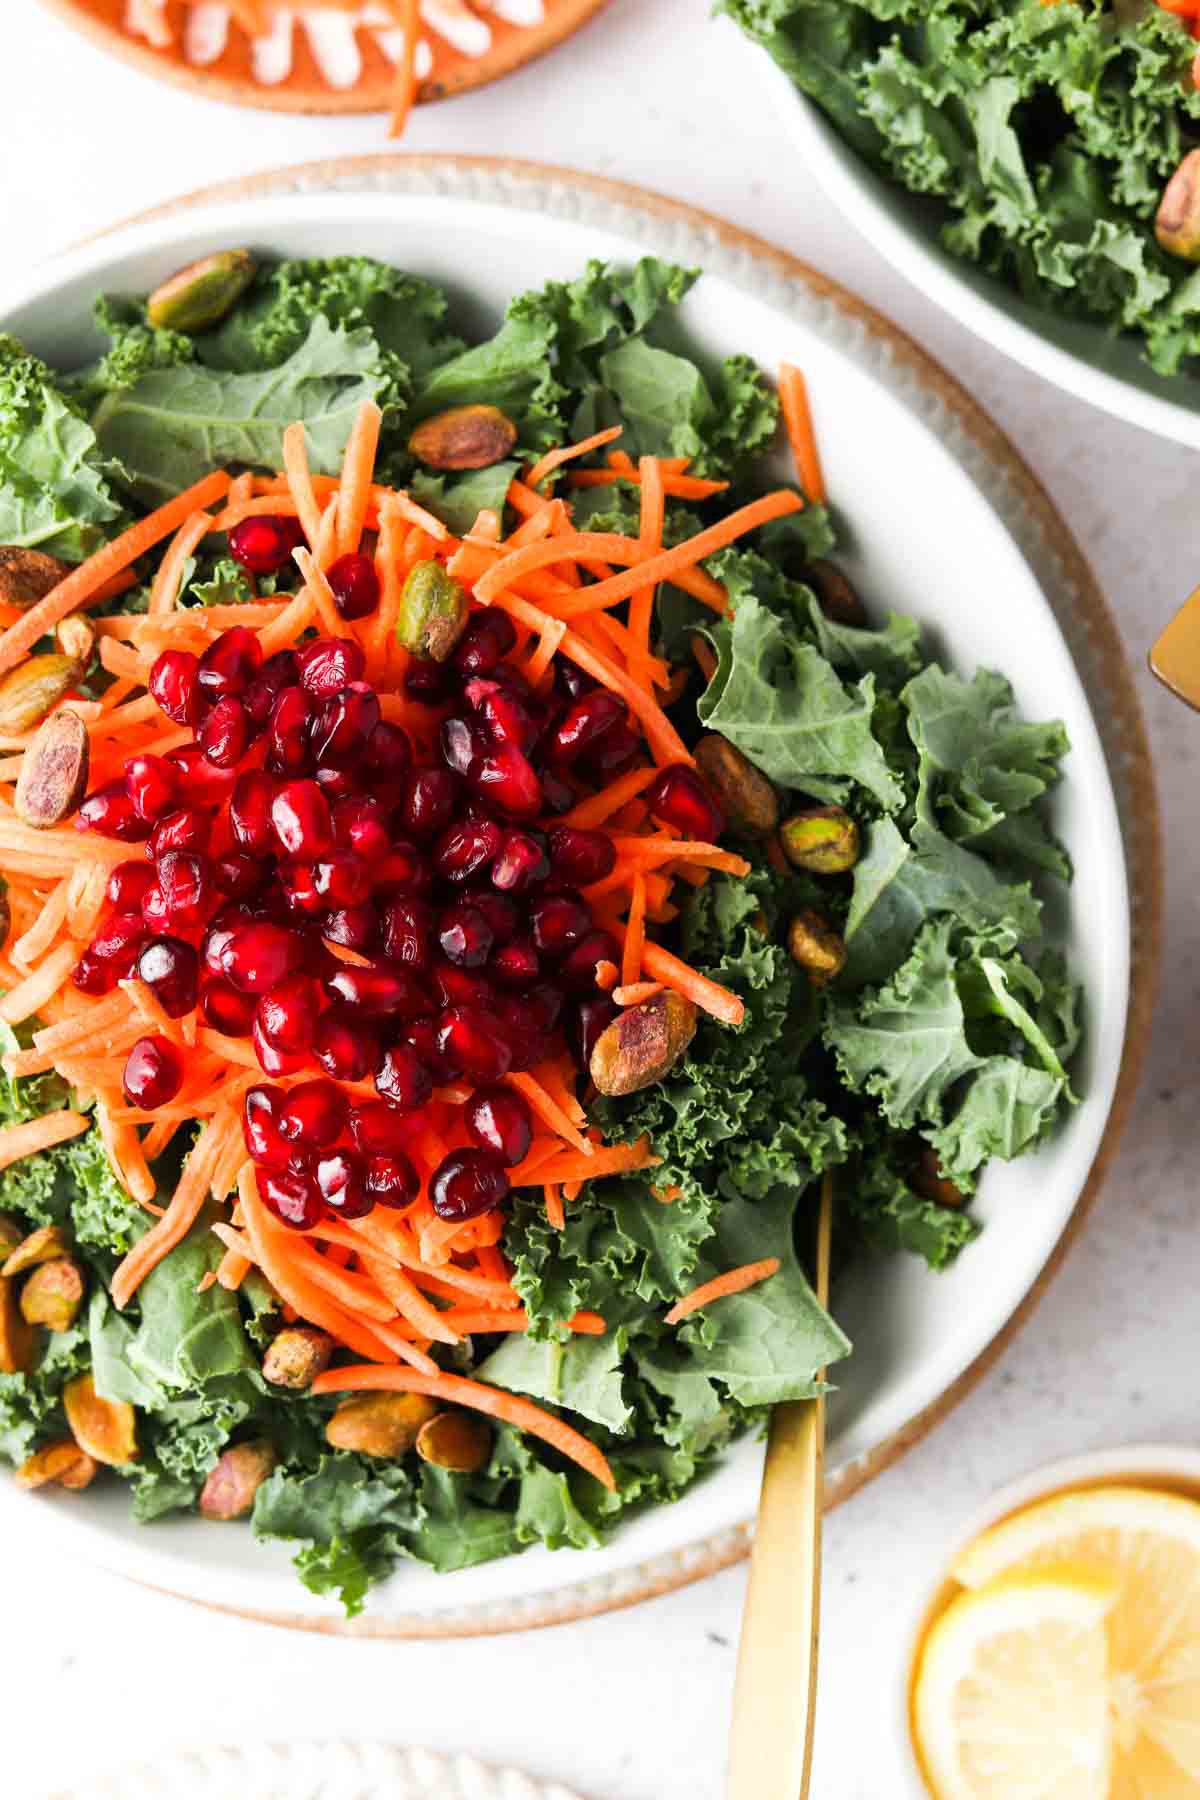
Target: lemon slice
x=1148 y=1545
x=1011 y=1696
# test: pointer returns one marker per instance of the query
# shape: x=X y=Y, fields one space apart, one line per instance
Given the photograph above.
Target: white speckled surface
x=634 y=1706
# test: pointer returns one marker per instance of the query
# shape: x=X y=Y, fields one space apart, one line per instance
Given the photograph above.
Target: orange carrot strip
x=158 y=1137
x=636 y=992
x=654 y=849
x=358 y=466
x=707 y=995
x=233 y=1269
x=165 y=590
x=41 y=934
x=587 y=1324
x=548 y=1110
x=554 y=1206
x=79 y=588
x=599 y=807
x=456 y=1390
x=359 y=1296
x=734 y=1281
x=407 y=1299
x=291 y=624
x=607 y=975
x=281 y=506
x=115 y=658
x=406 y=68
x=299 y=480
x=554 y=459
x=17 y=1141
x=797 y=419
x=124 y=1147
x=613 y=1159
x=30 y=995
x=181 y=1214
x=635 y=933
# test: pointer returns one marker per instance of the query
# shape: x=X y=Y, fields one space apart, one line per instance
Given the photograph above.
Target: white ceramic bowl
x=1085 y=358
x=1146 y=1465
x=884 y=425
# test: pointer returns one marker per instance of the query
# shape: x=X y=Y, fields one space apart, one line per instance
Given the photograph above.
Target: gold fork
x=774 y=1701
x=1175 y=658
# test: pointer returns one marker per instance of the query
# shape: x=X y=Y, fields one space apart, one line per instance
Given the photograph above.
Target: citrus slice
x=1011 y=1696
x=1148 y=1545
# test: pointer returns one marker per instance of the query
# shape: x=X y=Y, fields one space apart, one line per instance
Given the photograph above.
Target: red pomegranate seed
x=587 y=1022
x=679 y=798
x=505 y=714
x=312 y=1114
x=341 y=1179
x=219 y=934
x=344 y=1046
x=340 y=784
x=391 y=1180
x=202 y=782
x=153 y=1073
x=92 y=975
x=498 y=1119
x=361 y=824
x=258 y=954
x=353 y=926
x=299 y=890
x=186 y=829
x=239 y=876
x=585 y=723
x=422 y=1037
x=387 y=757
x=459 y=987
x=230 y=664
x=294 y=1198
x=402 y=1079
x=271 y=1059
x=225 y=1009
x=288 y=1013
x=468 y=1183
x=110 y=813
x=355 y=585
x=278 y=672
x=185 y=881
x=225 y=733
x=580 y=857
x=485 y=643
x=559 y=795
x=407 y=926
x=428 y=800
x=474 y=1037
x=154 y=911
x=465 y=935
x=508 y=780
x=570 y=680
x=403 y=870
x=343 y=727
x=546 y=1001
x=152 y=784
x=327 y=665
x=617 y=751
x=291 y=723
x=175 y=686
x=264 y=542
x=500 y=912
x=460 y=743
x=515 y=965
x=169 y=968
x=560 y=921
x=377 y=991
x=120 y=932
x=526 y=1036
x=466 y=848
x=521 y=864
x=425 y=681
x=340 y=878
x=301 y=819
x=578 y=970
x=259 y=1127
x=128 y=884
x=378 y=1129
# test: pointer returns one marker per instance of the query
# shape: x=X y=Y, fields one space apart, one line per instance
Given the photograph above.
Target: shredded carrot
x=299 y=480
x=358 y=466
x=734 y=1281
x=80 y=588
x=19 y=1141
x=46 y=927
x=164 y=591
x=548 y=1110
x=552 y=1194
x=407 y=1299
x=707 y=995
x=554 y=459
x=181 y=1214
x=599 y=807
x=636 y=992
x=456 y=1390
x=635 y=933
x=797 y=419
x=30 y=995
x=406 y=68
x=607 y=975
x=613 y=1159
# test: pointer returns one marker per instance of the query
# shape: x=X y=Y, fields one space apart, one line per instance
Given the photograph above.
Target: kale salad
x=474 y=866
x=1057 y=146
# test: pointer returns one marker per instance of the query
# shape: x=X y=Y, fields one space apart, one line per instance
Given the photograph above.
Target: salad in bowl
x=474 y=866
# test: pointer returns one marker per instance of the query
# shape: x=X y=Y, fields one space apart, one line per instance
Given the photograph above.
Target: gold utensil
x=1175 y=658
x=774 y=1701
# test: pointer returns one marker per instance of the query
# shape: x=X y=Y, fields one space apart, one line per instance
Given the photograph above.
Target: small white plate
x=1084 y=357
x=945 y=524
x=321 y=1771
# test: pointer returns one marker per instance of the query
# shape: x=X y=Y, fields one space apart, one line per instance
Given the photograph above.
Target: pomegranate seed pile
x=300 y=818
